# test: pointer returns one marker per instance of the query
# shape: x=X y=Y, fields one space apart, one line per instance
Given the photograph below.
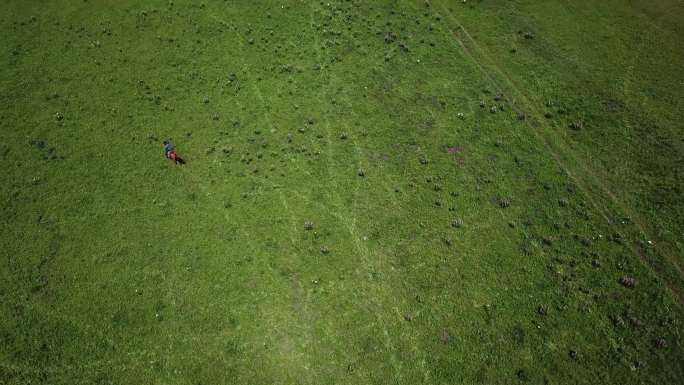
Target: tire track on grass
x=586 y=178
x=300 y=298
x=296 y=293
x=493 y=82
x=351 y=227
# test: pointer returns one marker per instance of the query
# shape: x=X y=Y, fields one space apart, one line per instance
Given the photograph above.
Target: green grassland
x=390 y=192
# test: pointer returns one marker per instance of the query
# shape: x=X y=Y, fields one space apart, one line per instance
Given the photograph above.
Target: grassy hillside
x=376 y=192
x=605 y=78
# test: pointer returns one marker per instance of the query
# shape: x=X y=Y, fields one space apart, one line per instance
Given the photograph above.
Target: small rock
x=457 y=223
x=308 y=225
x=59 y=116
x=361 y=172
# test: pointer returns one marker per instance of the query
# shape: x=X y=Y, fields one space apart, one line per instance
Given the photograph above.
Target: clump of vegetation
x=503 y=202
x=629 y=282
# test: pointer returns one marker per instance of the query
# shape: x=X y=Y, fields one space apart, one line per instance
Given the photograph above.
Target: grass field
x=376 y=192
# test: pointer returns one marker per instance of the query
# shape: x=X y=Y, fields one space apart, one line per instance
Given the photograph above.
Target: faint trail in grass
x=292 y=217
x=384 y=182
x=299 y=298
x=355 y=194
x=306 y=199
x=627 y=82
x=299 y=301
x=256 y=89
x=198 y=181
x=565 y=157
x=314 y=34
x=351 y=224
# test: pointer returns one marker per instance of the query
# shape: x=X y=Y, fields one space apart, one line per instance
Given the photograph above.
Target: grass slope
x=450 y=241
